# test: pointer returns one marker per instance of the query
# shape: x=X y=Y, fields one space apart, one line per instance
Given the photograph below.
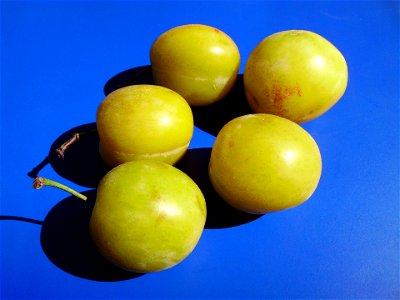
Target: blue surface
x=56 y=58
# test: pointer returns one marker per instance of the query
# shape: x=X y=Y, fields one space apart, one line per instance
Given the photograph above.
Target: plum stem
x=75 y=137
x=40 y=182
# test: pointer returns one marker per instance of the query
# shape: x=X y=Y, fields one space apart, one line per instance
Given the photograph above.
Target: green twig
x=41 y=182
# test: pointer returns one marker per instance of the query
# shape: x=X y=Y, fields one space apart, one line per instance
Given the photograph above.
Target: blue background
x=56 y=58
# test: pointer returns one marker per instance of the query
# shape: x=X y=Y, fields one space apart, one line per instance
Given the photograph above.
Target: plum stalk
x=75 y=137
x=40 y=182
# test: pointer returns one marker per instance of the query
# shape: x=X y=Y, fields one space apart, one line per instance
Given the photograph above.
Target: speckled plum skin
x=295 y=74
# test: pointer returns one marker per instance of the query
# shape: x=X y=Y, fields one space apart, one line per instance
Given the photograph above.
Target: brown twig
x=75 y=137
x=61 y=150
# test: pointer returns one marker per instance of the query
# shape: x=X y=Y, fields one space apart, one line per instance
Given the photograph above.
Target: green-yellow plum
x=198 y=61
x=144 y=122
x=296 y=74
x=263 y=163
x=148 y=216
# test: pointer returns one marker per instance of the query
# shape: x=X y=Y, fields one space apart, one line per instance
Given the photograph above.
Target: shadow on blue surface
x=137 y=75
x=82 y=163
x=21 y=219
x=66 y=241
x=219 y=213
x=209 y=118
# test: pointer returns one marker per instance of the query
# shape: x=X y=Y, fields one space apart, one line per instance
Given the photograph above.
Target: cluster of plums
x=148 y=214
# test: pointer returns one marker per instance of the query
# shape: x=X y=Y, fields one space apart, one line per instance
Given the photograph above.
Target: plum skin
x=263 y=163
x=295 y=74
x=144 y=122
x=148 y=216
x=198 y=61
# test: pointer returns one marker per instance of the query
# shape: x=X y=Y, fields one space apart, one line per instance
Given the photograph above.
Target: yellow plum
x=263 y=163
x=148 y=216
x=198 y=61
x=295 y=74
x=144 y=122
